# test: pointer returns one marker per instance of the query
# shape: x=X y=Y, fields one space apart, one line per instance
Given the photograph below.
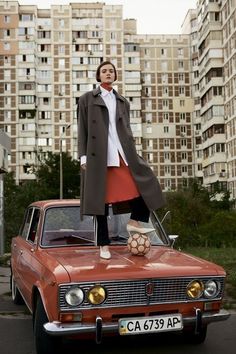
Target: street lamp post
x=61 y=161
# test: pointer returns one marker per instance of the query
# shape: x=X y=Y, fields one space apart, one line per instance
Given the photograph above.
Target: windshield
x=63 y=227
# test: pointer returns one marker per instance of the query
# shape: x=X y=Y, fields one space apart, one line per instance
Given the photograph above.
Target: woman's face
x=107 y=74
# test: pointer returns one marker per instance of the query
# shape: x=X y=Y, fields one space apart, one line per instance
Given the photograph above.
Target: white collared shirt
x=114 y=147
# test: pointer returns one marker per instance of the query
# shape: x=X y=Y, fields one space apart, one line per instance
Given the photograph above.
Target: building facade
x=228 y=18
x=48 y=59
x=181 y=88
x=212 y=29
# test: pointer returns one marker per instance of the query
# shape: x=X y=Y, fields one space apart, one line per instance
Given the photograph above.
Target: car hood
x=86 y=265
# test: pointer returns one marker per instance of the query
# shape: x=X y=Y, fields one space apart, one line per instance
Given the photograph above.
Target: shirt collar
x=104 y=92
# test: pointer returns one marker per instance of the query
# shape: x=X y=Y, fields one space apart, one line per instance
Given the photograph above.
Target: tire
x=195 y=338
x=15 y=294
x=44 y=343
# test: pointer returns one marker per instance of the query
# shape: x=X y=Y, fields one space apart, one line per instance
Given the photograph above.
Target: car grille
x=125 y=293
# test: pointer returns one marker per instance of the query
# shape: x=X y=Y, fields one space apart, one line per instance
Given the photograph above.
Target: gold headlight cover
x=195 y=289
x=96 y=295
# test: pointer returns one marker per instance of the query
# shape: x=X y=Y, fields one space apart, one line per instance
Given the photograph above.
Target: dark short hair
x=99 y=68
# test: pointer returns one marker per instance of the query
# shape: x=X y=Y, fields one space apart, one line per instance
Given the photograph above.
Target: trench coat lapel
x=119 y=106
x=97 y=98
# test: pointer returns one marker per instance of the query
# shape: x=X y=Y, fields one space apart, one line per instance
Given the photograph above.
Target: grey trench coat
x=93 y=137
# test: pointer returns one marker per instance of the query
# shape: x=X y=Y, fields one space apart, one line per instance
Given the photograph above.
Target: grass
x=225 y=257
x=5 y=260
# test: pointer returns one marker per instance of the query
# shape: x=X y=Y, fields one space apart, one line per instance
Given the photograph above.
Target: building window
x=61 y=36
x=7 y=101
x=6 y=19
x=148 y=117
x=167 y=183
x=181 y=64
x=165 y=90
x=183 y=155
x=44 y=115
x=61 y=23
x=166 y=142
x=7 y=59
x=7 y=115
x=166 y=116
x=7 y=87
x=163 y=52
x=26 y=17
x=165 y=103
x=166 y=155
x=61 y=49
x=61 y=63
x=6 y=33
x=6 y=46
x=167 y=170
x=181 y=90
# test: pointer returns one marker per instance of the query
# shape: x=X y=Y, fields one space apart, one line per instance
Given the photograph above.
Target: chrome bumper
x=64 y=329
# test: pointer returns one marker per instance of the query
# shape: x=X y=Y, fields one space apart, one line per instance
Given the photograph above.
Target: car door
x=18 y=246
x=27 y=248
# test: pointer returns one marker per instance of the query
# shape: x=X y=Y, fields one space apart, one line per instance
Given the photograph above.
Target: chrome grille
x=123 y=293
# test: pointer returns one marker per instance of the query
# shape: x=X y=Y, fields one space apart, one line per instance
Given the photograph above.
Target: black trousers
x=139 y=212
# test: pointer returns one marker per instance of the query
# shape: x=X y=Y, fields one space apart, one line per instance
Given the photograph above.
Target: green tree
x=48 y=176
x=198 y=216
x=45 y=186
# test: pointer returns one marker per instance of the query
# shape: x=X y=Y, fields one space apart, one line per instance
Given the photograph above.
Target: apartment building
x=211 y=89
x=228 y=18
x=166 y=105
x=48 y=59
x=190 y=27
x=213 y=71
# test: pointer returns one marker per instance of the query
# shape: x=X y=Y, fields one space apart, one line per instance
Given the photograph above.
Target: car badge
x=149 y=289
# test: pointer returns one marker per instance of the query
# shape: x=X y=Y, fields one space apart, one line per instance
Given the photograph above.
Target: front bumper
x=100 y=327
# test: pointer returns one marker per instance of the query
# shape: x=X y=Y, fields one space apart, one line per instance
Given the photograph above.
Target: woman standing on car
x=112 y=171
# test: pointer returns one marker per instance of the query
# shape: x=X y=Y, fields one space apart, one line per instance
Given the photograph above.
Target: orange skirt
x=120 y=184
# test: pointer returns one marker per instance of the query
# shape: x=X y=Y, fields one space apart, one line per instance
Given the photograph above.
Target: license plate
x=150 y=324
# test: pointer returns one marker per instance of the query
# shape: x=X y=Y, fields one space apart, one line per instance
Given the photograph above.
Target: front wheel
x=195 y=338
x=44 y=343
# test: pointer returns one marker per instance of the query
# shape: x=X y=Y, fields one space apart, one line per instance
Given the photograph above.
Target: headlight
x=96 y=295
x=211 y=289
x=74 y=296
x=195 y=289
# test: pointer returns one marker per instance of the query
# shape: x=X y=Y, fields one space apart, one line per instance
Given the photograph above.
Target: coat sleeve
x=82 y=127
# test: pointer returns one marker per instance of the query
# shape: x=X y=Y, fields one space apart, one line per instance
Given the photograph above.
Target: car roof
x=55 y=203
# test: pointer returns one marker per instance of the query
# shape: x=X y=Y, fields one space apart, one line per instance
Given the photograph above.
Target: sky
x=153 y=16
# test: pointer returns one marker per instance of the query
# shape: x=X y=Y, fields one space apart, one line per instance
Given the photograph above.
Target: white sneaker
x=105 y=254
x=141 y=230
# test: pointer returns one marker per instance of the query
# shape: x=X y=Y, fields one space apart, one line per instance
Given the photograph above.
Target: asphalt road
x=16 y=335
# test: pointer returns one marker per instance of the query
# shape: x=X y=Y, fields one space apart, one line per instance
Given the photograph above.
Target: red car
x=72 y=292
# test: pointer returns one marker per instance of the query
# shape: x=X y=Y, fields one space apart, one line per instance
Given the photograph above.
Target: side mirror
x=172 y=239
